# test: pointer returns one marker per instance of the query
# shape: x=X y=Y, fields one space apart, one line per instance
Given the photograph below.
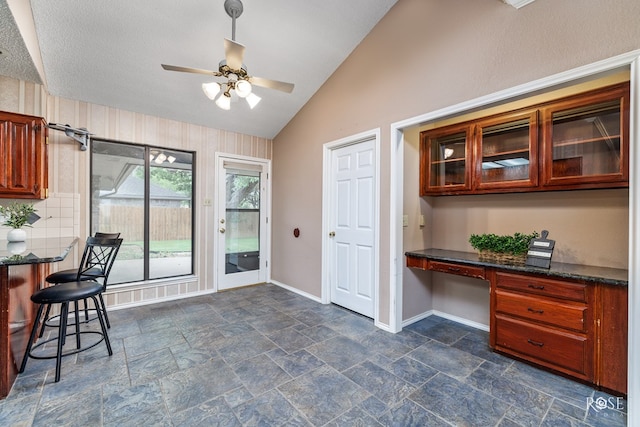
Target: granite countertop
x=35 y=251
x=606 y=275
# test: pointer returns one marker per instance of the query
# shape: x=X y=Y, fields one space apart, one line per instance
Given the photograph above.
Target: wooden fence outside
x=165 y=223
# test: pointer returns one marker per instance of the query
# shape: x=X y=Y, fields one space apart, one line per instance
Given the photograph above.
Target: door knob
x=222 y=230
x=332 y=234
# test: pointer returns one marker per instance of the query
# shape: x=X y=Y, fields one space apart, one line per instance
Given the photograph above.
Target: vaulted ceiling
x=109 y=52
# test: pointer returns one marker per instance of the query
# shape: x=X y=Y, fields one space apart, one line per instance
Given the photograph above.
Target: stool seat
x=71 y=275
x=69 y=291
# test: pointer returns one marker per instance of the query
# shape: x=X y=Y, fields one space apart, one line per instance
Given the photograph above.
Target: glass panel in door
x=448 y=160
x=586 y=140
x=507 y=151
x=242 y=222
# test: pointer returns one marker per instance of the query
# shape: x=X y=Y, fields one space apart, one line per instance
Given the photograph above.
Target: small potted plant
x=508 y=249
x=17 y=215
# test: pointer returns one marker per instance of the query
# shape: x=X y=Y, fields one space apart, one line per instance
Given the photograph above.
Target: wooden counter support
x=17 y=283
x=20 y=276
x=561 y=319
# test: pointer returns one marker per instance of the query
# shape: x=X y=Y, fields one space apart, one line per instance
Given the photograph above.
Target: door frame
x=327 y=164
x=266 y=163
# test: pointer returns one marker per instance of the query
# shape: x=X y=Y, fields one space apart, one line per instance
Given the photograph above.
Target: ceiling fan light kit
x=224 y=101
x=233 y=70
x=211 y=89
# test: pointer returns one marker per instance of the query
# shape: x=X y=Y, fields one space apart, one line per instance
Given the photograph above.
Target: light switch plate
x=405 y=220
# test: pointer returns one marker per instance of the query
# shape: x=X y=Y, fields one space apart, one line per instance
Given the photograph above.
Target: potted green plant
x=507 y=248
x=16 y=215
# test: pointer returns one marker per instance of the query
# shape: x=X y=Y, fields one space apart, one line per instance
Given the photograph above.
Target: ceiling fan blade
x=233 y=54
x=189 y=70
x=272 y=84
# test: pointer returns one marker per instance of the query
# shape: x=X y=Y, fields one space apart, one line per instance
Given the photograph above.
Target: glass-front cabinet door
x=506 y=151
x=586 y=139
x=445 y=154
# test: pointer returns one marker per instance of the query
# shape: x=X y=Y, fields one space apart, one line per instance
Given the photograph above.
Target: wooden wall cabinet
x=24 y=162
x=576 y=142
x=445 y=160
x=506 y=151
x=585 y=140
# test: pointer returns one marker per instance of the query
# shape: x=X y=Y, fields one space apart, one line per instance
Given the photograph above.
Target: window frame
x=147 y=164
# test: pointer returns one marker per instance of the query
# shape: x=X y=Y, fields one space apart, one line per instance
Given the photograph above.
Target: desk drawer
x=560 y=349
x=541 y=286
x=416 y=262
x=459 y=269
x=540 y=309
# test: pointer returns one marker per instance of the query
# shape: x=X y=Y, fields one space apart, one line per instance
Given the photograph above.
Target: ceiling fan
x=233 y=70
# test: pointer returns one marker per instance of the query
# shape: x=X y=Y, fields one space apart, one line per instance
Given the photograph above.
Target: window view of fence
x=123 y=201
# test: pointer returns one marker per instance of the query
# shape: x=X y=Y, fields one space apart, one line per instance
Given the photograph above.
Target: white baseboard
x=456 y=319
x=417 y=318
x=296 y=291
x=159 y=300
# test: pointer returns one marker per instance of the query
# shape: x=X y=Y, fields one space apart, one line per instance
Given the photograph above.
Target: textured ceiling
x=110 y=52
x=15 y=60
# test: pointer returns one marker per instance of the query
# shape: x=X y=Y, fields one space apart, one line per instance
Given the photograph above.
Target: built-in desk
x=569 y=318
x=23 y=267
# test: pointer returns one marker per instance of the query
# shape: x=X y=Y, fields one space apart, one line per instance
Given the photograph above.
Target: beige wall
x=67 y=210
x=425 y=55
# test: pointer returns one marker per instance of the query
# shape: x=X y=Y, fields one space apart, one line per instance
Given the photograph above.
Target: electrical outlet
x=207 y=202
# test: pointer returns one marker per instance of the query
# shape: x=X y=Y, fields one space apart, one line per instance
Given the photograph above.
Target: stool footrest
x=69 y=352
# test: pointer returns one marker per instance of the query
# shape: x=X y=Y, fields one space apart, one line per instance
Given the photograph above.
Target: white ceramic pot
x=16 y=248
x=17 y=235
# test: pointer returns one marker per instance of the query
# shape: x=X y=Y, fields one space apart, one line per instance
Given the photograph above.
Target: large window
x=146 y=194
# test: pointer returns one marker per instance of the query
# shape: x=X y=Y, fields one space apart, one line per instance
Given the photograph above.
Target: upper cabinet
x=506 y=151
x=573 y=143
x=446 y=156
x=23 y=164
x=586 y=139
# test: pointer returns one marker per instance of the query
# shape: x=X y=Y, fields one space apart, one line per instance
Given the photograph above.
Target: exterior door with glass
x=241 y=220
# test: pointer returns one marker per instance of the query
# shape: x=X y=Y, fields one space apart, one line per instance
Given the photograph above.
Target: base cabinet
x=574 y=328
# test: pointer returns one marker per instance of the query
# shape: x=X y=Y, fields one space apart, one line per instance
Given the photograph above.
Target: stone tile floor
x=264 y=356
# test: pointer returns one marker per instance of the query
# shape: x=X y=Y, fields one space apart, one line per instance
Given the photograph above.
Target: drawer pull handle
x=536 y=343
x=453 y=269
x=539 y=287
x=533 y=310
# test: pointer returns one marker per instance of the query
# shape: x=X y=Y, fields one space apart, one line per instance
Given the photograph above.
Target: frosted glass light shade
x=252 y=100
x=243 y=88
x=224 y=102
x=211 y=89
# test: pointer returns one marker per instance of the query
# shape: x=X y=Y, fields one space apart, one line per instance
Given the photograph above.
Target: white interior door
x=241 y=219
x=352 y=228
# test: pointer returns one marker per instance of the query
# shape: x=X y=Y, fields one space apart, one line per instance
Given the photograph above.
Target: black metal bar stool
x=102 y=253
x=90 y=269
x=64 y=294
